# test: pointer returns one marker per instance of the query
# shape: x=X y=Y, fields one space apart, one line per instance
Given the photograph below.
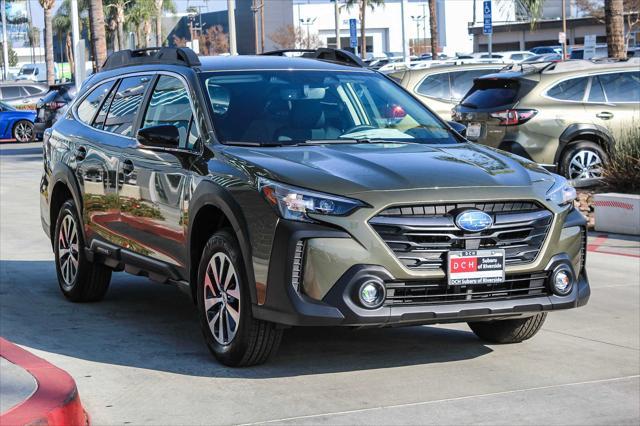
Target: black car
x=304 y=191
x=52 y=105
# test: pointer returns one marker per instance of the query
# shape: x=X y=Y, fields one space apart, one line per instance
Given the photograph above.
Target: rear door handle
x=127 y=167
x=81 y=153
x=605 y=115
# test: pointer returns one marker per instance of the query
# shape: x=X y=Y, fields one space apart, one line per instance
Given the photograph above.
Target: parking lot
x=138 y=356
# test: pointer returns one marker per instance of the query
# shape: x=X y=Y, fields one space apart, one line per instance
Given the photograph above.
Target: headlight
x=295 y=203
x=561 y=193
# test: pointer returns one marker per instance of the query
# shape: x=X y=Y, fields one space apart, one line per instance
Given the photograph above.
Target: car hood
x=353 y=168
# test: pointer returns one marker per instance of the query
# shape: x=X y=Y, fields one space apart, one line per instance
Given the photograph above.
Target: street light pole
x=405 y=42
x=417 y=20
x=337 y=17
x=564 y=29
x=5 y=44
x=231 y=14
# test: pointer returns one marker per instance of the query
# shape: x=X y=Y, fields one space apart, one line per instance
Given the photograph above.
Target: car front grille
x=438 y=292
x=421 y=235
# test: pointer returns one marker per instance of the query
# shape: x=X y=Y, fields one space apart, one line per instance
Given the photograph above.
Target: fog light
x=562 y=281
x=372 y=294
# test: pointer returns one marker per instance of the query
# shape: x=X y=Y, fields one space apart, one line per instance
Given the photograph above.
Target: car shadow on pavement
x=152 y=326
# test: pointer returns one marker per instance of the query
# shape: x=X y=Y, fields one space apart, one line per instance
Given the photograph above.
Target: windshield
x=6 y=107
x=27 y=70
x=296 y=107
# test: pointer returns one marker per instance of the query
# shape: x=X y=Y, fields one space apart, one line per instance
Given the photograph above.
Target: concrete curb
x=55 y=401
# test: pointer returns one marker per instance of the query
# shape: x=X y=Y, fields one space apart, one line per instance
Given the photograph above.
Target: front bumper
x=299 y=303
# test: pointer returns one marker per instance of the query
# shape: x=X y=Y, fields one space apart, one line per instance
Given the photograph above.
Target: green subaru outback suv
x=563 y=115
x=305 y=191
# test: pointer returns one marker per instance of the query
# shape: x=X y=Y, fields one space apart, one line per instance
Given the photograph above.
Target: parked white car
x=510 y=57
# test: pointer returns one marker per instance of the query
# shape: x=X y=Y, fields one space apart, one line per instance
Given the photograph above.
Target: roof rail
x=323 y=54
x=154 y=55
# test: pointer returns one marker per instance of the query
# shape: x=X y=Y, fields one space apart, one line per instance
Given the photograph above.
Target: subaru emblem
x=474 y=221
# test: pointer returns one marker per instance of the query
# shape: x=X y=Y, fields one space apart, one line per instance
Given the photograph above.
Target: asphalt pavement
x=138 y=356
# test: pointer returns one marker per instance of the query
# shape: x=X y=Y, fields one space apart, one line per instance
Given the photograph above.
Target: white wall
x=384 y=23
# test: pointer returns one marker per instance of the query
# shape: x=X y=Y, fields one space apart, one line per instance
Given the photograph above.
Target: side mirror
x=163 y=136
x=458 y=127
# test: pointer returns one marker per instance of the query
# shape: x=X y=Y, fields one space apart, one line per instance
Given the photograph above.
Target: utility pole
x=78 y=72
x=5 y=43
x=231 y=14
x=337 y=18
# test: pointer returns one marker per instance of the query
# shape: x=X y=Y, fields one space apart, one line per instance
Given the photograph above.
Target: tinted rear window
x=492 y=93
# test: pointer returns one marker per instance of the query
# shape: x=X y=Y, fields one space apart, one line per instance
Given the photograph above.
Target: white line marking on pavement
x=436 y=401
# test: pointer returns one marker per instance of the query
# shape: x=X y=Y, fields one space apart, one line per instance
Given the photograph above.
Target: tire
x=508 y=331
x=23 y=131
x=90 y=281
x=587 y=154
x=252 y=341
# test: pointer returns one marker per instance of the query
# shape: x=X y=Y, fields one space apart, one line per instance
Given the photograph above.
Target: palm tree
x=119 y=7
x=62 y=27
x=98 y=36
x=159 y=7
x=139 y=19
x=47 y=6
x=433 y=28
x=614 y=23
x=362 y=9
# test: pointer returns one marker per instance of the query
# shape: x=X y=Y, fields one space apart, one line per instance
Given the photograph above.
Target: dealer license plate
x=473 y=130
x=469 y=267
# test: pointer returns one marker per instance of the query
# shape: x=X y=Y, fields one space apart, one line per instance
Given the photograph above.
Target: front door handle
x=127 y=167
x=605 y=115
x=81 y=153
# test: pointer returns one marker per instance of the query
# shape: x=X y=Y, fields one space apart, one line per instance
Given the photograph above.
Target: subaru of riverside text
x=301 y=189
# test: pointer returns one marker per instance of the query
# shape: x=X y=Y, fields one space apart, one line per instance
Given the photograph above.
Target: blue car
x=16 y=124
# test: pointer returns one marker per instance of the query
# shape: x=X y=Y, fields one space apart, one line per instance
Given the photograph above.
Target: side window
x=10 y=92
x=98 y=122
x=87 y=108
x=169 y=105
x=569 y=90
x=517 y=56
x=435 y=86
x=32 y=90
x=462 y=81
x=596 y=94
x=125 y=105
x=622 y=87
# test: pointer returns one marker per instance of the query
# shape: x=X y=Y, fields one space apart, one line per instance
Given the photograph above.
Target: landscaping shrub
x=622 y=174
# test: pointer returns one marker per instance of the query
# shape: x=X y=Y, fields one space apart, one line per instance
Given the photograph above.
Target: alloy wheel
x=222 y=298
x=23 y=132
x=585 y=164
x=68 y=255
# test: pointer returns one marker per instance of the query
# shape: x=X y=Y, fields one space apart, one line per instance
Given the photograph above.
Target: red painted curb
x=55 y=401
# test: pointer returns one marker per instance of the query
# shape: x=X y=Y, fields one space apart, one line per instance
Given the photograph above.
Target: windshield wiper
x=247 y=143
x=349 y=141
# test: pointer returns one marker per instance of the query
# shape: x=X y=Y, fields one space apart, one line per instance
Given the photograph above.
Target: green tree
x=118 y=8
x=13 y=56
x=362 y=10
